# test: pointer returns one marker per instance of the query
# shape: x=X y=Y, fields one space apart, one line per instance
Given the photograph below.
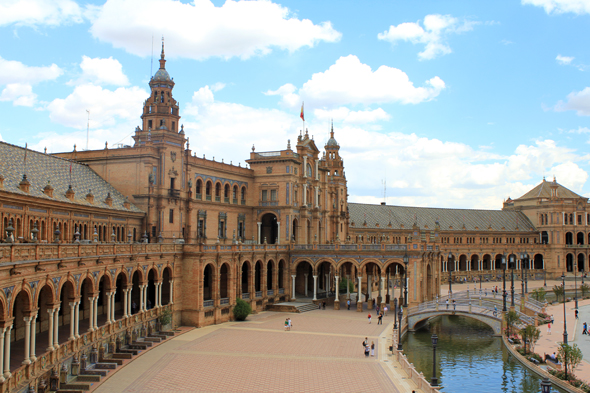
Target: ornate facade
x=97 y=244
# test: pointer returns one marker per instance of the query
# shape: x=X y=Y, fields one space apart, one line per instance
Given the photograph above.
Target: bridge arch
x=493 y=322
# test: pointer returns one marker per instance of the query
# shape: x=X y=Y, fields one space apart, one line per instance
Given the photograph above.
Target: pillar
x=172 y=291
x=125 y=306
x=359 y=299
x=348 y=287
x=50 y=330
x=95 y=326
x=141 y=298
x=159 y=298
x=2 y=331
x=7 y=352
x=305 y=275
x=109 y=295
x=56 y=328
x=259 y=232
x=113 y=306
x=129 y=293
x=381 y=292
x=145 y=299
x=304 y=169
x=315 y=287
x=72 y=315
x=91 y=317
x=33 y=338
x=27 y=340
x=337 y=298
x=293 y=276
x=278 y=233
x=77 y=319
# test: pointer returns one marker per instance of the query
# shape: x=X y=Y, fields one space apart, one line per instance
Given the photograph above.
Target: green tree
x=558 y=291
x=539 y=294
x=342 y=285
x=530 y=334
x=242 y=309
x=511 y=319
x=570 y=354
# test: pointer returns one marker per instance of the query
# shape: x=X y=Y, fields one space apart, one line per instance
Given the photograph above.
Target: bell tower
x=160 y=111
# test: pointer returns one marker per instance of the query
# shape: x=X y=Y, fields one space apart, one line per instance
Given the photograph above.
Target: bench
x=534 y=360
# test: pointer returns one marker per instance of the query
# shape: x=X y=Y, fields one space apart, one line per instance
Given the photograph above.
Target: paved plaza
x=322 y=353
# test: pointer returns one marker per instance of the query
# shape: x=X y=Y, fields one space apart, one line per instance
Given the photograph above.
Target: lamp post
x=522 y=256
x=400 y=314
x=450 y=273
x=512 y=262
x=394 y=313
x=564 y=325
x=504 y=280
x=434 y=380
x=575 y=286
x=479 y=283
x=406 y=261
x=545 y=385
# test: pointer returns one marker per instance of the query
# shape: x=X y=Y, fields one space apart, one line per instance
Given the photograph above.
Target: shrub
x=166 y=317
x=241 y=310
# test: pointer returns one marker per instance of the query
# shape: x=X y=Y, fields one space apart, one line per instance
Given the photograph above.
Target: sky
x=457 y=104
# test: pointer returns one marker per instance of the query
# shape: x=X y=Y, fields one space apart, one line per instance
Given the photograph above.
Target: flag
x=301 y=115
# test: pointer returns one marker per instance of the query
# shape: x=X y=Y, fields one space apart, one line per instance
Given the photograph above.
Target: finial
x=162 y=55
x=74 y=147
x=288 y=144
x=253 y=148
x=187 y=143
x=45 y=150
x=307 y=132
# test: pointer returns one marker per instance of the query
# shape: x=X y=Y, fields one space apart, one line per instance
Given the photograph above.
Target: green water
x=469 y=359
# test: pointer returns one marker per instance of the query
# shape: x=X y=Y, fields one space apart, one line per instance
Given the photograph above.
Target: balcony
x=235 y=201
x=258 y=294
x=245 y=296
x=173 y=193
x=207 y=197
x=198 y=196
x=243 y=201
x=226 y=199
x=208 y=303
x=217 y=199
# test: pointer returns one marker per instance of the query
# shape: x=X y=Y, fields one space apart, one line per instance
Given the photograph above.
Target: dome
x=332 y=142
x=162 y=75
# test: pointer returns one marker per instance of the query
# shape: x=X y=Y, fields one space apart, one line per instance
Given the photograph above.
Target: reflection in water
x=469 y=358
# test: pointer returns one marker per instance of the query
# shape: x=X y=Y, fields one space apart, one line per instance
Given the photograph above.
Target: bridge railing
x=531 y=304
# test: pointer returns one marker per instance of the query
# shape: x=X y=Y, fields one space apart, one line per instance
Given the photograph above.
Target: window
x=149 y=124
x=579 y=219
x=199 y=185
x=221 y=233
x=172 y=183
x=162 y=122
x=264 y=195
x=243 y=193
x=173 y=126
x=171 y=216
x=273 y=195
x=309 y=174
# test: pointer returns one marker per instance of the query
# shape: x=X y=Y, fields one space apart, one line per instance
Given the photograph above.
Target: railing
x=270 y=292
x=235 y=201
x=375 y=247
x=208 y=303
x=269 y=154
x=281 y=291
x=207 y=197
x=243 y=201
x=226 y=199
x=349 y=247
x=303 y=247
x=224 y=300
x=173 y=193
x=245 y=296
x=326 y=247
x=258 y=294
x=217 y=199
x=199 y=196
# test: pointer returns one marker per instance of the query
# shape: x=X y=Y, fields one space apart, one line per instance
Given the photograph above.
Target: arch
x=166 y=282
x=208 y=188
x=463 y=262
x=303 y=270
x=569 y=262
x=270 y=274
x=245 y=277
x=494 y=323
x=581 y=262
x=544 y=237
x=224 y=273
x=152 y=278
x=235 y=194
x=538 y=262
x=226 y=191
x=487 y=262
x=243 y=195
x=569 y=238
x=474 y=262
x=269 y=231
x=21 y=309
x=325 y=271
x=217 y=190
x=67 y=295
x=281 y=275
x=208 y=282
x=258 y=276
x=580 y=238
x=44 y=302
x=136 y=280
x=199 y=187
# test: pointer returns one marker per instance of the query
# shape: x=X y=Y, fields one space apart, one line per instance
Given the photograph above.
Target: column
x=359 y=299
x=381 y=289
x=108 y=307
x=293 y=286
x=278 y=232
x=56 y=328
x=305 y=275
x=2 y=330
x=72 y=315
x=172 y=292
x=129 y=293
x=95 y=313
x=91 y=318
x=141 y=298
x=50 y=330
x=304 y=194
x=337 y=299
x=369 y=287
x=348 y=287
x=145 y=287
x=259 y=232
x=315 y=287
x=315 y=197
x=77 y=320
x=125 y=293
x=7 y=352
x=304 y=169
x=317 y=175
x=113 y=306
x=327 y=282
x=33 y=338
x=27 y=340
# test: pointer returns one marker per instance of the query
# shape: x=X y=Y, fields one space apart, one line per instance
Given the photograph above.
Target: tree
x=570 y=355
x=539 y=294
x=511 y=318
x=242 y=309
x=558 y=290
x=530 y=334
x=342 y=285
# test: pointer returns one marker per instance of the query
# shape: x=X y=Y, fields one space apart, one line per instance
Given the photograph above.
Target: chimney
x=24 y=184
x=70 y=193
x=90 y=197
x=126 y=204
x=109 y=200
x=48 y=190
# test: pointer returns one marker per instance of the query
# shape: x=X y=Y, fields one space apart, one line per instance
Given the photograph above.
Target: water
x=469 y=359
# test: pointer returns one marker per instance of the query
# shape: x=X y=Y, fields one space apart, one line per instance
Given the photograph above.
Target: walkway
x=320 y=354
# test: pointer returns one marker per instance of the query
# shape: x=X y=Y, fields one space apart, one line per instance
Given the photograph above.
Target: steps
x=298 y=307
x=307 y=307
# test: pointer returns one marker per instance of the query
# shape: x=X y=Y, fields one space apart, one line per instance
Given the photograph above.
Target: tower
x=337 y=188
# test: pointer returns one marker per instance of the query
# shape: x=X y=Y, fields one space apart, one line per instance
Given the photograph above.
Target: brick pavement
x=321 y=354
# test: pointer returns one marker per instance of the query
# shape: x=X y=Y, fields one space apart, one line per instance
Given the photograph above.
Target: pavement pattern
x=321 y=353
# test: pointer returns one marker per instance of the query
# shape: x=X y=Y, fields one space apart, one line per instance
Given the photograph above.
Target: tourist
x=552 y=319
x=372 y=348
x=549 y=328
x=447 y=304
x=290 y=324
x=324 y=305
x=495 y=311
x=585 y=326
x=367 y=350
x=380 y=319
x=385 y=309
x=365 y=342
x=286 y=324
x=377 y=309
x=348 y=304
x=369 y=317
x=454 y=305
x=576 y=313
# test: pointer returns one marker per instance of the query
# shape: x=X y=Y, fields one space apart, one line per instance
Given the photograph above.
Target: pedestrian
x=133 y=307
x=495 y=311
x=380 y=319
x=585 y=326
x=549 y=328
x=486 y=292
x=286 y=324
x=576 y=313
x=377 y=309
x=367 y=350
x=447 y=304
x=366 y=340
x=552 y=319
x=454 y=305
x=348 y=304
x=324 y=305
x=369 y=316
x=290 y=324
x=372 y=348
x=385 y=309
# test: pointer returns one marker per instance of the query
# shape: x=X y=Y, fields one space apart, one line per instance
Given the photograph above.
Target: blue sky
x=451 y=103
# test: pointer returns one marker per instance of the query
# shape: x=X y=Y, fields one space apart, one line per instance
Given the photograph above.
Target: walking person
x=380 y=319
x=585 y=326
x=385 y=309
x=367 y=349
x=372 y=348
x=348 y=304
x=369 y=317
x=447 y=304
x=454 y=305
x=286 y=324
x=576 y=313
x=549 y=328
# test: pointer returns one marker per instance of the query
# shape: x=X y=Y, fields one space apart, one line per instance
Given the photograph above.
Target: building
x=98 y=244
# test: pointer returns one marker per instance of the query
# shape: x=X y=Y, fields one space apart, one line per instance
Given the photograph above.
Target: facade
x=97 y=245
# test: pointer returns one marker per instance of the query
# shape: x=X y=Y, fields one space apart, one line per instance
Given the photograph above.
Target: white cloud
x=16 y=72
x=200 y=30
x=102 y=72
x=561 y=6
x=39 y=12
x=345 y=115
x=576 y=101
x=564 y=60
x=21 y=94
x=348 y=81
x=436 y=29
x=106 y=107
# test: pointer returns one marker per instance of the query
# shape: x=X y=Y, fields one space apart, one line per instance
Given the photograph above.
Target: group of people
x=288 y=324
x=380 y=314
x=369 y=349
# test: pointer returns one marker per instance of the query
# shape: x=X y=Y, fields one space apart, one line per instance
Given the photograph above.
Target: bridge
x=480 y=307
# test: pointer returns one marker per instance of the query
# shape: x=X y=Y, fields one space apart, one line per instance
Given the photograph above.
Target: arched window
x=243 y=196
x=226 y=191
x=199 y=186
x=208 y=188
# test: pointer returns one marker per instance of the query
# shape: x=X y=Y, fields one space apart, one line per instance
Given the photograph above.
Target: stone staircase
x=307 y=307
x=89 y=376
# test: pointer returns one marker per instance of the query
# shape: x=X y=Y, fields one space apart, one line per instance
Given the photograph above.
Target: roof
x=43 y=168
x=543 y=190
x=162 y=75
x=448 y=219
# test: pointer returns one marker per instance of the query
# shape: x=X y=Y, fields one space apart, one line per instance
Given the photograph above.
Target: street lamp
x=522 y=259
x=394 y=313
x=575 y=285
x=504 y=280
x=450 y=273
x=400 y=314
x=434 y=380
x=545 y=385
x=512 y=263
x=406 y=261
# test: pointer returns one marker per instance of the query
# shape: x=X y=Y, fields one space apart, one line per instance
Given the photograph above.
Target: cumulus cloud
x=345 y=115
x=433 y=35
x=21 y=94
x=561 y=6
x=201 y=30
x=39 y=12
x=576 y=101
x=19 y=79
x=348 y=81
x=107 y=107
x=102 y=72
x=564 y=60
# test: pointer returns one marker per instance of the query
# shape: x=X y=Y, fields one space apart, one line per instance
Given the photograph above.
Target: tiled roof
x=498 y=220
x=41 y=168
x=543 y=190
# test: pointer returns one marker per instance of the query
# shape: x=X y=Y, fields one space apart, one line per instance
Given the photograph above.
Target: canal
x=469 y=358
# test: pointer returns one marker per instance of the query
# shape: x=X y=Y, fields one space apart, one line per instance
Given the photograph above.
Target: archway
x=269 y=275
x=486 y=262
x=304 y=279
x=294 y=232
x=569 y=238
x=569 y=262
x=581 y=262
x=224 y=281
x=21 y=309
x=245 y=280
x=86 y=292
x=324 y=281
x=580 y=238
x=67 y=296
x=463 y=263
x=474 y=262
x=372 y=281
x=135 y=295
x=281 y=275
x=121 y=284
x=166 y=277
x=104 y=287
x=151 y=289
x=269 y=229
x=258 y=277
x=45 y=301
x=208 y=282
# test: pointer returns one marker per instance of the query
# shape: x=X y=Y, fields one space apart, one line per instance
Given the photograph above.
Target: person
x=290 y=324
x=372 y=348
x=576 y=313
x=366 y=340
x=324 y=305
x=454 y=305
x=549 y=328
x=149 y=304
x=552 y=319
x=447 y=304
x=380 y=319
x=286 y=324
x=348 y=304
x=585 y=330
x=369 y=317
x=486 y=292
x=133 y=307
x=367 y=349
x=495 y=311
x=377 y=309
x=385 y=309
x=553 y=356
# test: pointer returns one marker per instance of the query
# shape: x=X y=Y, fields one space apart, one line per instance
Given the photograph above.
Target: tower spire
x=163 y=56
